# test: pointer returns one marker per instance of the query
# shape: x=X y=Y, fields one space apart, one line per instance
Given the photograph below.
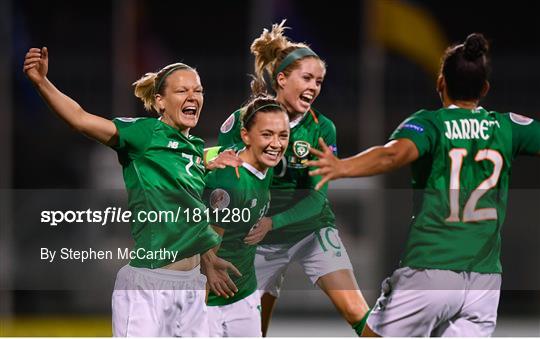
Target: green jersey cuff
x=278 y=221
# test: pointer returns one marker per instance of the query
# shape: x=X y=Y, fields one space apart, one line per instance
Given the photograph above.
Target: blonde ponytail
x=144 y=90
x=269 y=49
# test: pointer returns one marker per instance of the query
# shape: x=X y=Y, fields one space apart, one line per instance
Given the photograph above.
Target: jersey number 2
x=470 y=213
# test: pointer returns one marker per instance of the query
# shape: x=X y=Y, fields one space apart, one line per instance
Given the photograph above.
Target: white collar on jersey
x=473 y=110
x=255 y=171
x=295 y=122
x=252 y=169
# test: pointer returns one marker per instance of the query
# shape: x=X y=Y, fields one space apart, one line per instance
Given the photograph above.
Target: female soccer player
x=244 y=192
x=461 y=155
x=302 y=225
x=163 y=170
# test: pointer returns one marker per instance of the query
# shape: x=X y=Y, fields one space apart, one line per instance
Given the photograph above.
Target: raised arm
x=376 y=160
x=36 y=65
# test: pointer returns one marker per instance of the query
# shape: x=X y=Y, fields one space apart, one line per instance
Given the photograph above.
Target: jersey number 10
x=470 y=213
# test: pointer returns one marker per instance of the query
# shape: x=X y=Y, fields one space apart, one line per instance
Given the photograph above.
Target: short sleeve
x=133 y=135
x=525 y=134
x=328 y=133
x=419 y=130
x=229 y=132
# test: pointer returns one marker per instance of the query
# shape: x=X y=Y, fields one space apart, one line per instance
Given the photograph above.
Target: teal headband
x=169 y=72
x=260 y=109
x=292 y=57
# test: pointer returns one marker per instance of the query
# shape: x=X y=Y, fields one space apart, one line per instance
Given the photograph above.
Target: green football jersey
x=163 y=172
x=460 y=183
x=238 y=199
x=297 y=210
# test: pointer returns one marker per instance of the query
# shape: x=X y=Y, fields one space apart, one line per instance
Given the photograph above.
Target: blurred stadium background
x=382 y=61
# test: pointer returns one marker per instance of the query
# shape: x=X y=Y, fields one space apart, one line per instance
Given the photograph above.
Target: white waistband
x=164 y=274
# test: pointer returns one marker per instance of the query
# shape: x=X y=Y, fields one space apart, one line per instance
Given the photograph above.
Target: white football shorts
x=441 y=303
x=319 y=253
x=159 y=303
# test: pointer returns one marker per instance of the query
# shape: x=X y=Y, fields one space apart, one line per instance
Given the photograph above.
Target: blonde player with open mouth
x=300 y=226
x=163 y=169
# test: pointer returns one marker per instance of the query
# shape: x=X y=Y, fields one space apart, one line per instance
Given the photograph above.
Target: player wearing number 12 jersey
x=461 y=155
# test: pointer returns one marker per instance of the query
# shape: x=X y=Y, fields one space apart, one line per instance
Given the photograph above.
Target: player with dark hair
x=301 y=225
x=163 y=169
x=244 y=192
x=448 y=283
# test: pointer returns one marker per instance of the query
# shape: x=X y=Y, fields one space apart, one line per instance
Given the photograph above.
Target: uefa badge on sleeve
x=219 y=199
x=228 y=124
x=521 y=119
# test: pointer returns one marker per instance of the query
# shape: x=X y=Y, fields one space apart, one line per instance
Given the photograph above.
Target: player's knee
x=353 y=312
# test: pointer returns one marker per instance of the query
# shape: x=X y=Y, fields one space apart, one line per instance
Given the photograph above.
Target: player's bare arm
x=376 y=160
x=36 y=64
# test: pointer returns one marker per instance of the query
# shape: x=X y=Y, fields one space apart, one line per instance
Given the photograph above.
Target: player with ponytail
x=449 y=279
x=163 y=170
x=300 y=226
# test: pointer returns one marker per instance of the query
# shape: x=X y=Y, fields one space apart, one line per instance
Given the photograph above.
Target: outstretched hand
x=225 y=158
x=36 y=64
x=328 y=164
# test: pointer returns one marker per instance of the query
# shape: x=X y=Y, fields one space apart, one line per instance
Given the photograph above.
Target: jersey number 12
x=470 y=213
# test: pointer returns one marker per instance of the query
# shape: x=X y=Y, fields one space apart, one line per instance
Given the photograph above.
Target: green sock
x=359 y=326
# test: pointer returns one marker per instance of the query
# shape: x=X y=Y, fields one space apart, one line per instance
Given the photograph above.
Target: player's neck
x=290 y=111
x=462 y=104
x=249 y=158
x=184 y=130
x=466 y=104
